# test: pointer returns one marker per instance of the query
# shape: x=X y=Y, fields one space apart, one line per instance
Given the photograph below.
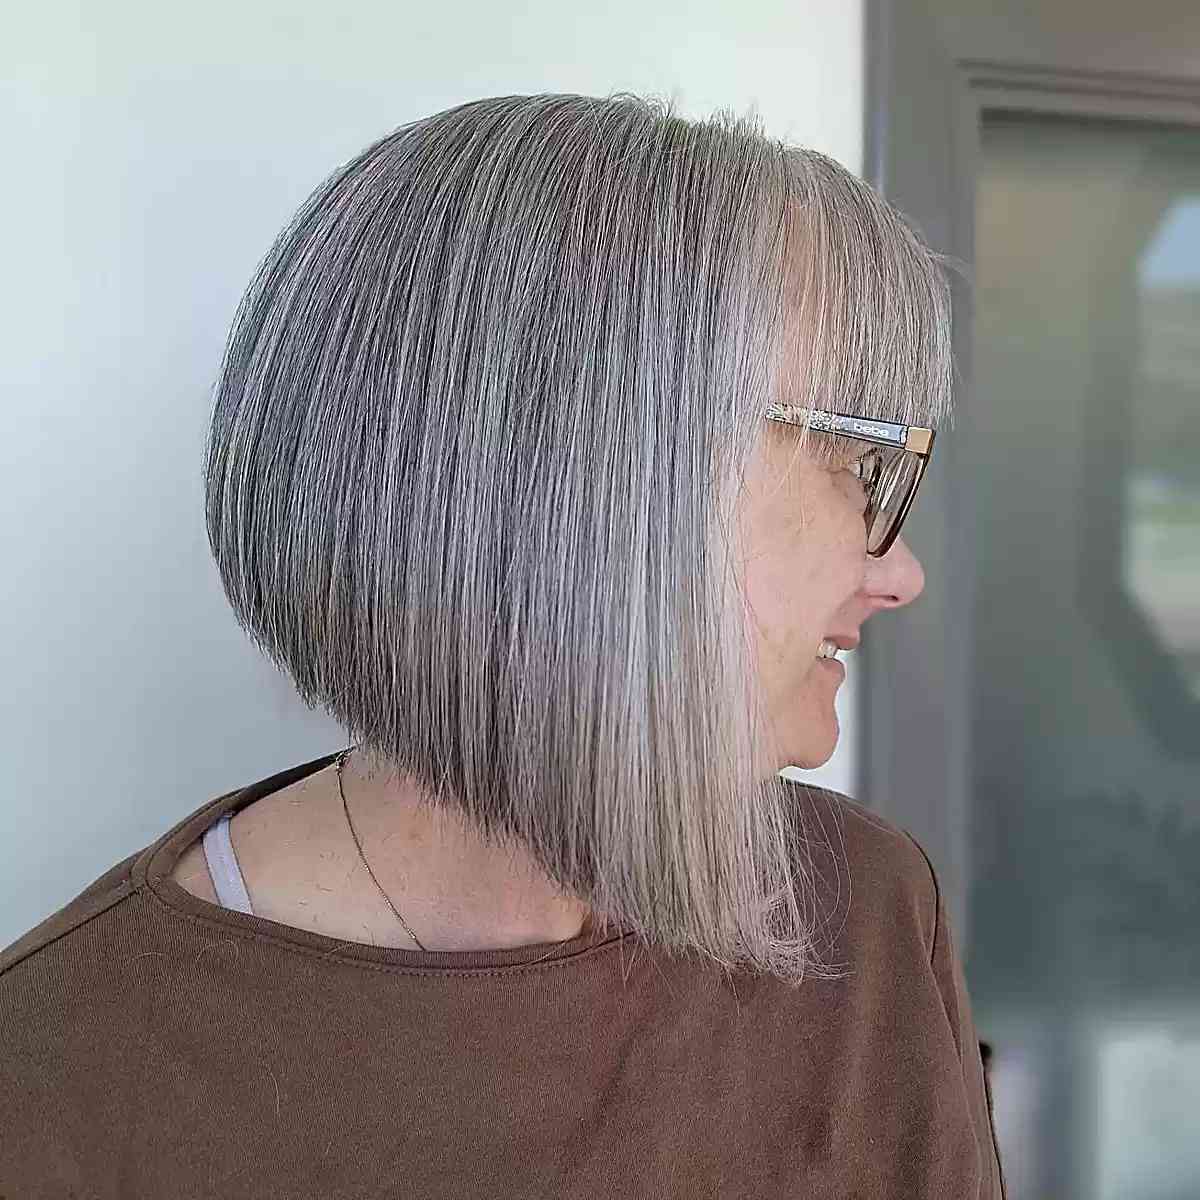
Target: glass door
x=1084 y=941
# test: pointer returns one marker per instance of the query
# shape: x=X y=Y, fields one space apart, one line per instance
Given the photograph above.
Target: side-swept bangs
x=868 y=302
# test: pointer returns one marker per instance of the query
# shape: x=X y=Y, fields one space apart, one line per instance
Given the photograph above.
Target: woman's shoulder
x=57 y=932
x=889 y=873
x=109 y=889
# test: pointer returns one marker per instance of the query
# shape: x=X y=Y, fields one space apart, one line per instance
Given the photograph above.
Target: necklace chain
x=345 y=754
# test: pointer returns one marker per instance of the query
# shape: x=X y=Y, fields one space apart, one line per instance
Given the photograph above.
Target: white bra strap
x=223 y=867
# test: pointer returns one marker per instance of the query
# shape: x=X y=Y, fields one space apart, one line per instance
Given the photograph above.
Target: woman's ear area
x=768 y=468
x=782 y=449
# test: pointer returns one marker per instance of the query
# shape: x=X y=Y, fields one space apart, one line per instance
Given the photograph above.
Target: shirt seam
x=447 y=973
x=937 y=925
x=937 y=898
x=123 y=891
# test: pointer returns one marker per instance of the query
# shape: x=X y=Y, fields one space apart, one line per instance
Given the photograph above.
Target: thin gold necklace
x=345 y=754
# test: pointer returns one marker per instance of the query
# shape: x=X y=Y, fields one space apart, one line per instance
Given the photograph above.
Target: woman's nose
x=895 y=579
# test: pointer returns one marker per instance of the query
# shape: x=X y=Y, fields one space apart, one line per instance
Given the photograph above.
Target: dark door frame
x=922 y=112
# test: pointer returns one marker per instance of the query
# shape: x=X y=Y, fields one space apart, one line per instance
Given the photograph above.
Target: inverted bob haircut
x=474 y=469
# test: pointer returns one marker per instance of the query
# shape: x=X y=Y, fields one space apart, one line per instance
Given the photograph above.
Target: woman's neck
x=302 y=867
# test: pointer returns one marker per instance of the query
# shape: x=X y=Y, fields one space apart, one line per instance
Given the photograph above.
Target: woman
x=559 y=444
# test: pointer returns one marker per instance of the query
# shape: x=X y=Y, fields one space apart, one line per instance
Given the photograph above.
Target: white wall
x=153 y=152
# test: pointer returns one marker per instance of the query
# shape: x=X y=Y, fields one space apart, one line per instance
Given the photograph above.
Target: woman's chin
x=808 y=762
x=815 y=748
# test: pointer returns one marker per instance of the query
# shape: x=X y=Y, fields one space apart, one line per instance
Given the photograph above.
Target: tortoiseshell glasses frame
x=893 y=474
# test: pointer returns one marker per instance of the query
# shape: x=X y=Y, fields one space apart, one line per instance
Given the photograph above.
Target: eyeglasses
x=890 y=474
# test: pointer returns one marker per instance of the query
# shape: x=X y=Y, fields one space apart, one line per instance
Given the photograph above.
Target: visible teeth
x=828 y=649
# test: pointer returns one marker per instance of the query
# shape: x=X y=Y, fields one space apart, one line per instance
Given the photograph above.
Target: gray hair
x=474 y=466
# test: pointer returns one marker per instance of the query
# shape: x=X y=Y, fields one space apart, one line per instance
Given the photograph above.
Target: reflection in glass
x=1162 y=488
x=1084 y=931
x=1149 y=1101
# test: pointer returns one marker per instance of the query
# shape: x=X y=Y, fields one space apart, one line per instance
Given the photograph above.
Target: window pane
x=1084 y=959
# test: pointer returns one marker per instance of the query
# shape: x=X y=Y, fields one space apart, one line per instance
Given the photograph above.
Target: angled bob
x=474 y=466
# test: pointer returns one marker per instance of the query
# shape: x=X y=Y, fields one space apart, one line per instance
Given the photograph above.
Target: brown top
x=154 y=1044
